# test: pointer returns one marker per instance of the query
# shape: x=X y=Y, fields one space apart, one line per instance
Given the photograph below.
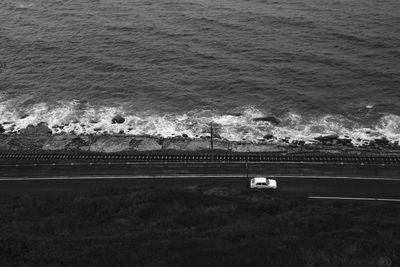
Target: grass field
x=195 y=226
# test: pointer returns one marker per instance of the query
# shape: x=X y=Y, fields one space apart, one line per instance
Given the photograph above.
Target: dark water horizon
x=172 y=67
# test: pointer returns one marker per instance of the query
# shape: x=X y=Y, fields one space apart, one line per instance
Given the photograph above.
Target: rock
x=64 y=142
x=216 y=136
x=222 y=145
x=18 y=142
x=270 y=119
x=121 y=132
x=54 y=126
x=40 y=129
x=2 y=130
x=268 y=136
x=24 y=116
x=118 y=119
x=327 y=138
x=145 y=144
x=382 y=141
x=195 y=145
x=344 y=141
x=185 y=136
x=110 y=144
x=235 y=114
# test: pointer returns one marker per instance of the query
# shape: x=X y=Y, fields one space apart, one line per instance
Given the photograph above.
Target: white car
x=263 y=183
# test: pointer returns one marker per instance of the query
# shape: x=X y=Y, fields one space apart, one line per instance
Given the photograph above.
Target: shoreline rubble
x=39 y=138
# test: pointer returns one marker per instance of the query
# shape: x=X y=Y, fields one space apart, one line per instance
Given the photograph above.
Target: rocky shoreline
x=40 y=138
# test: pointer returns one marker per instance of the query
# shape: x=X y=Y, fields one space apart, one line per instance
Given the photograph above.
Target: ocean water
x=172 y=67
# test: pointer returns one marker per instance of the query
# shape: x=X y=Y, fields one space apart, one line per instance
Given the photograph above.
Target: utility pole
x=212 y=141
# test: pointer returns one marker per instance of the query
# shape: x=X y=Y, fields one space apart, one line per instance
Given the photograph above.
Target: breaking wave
x=84 y=118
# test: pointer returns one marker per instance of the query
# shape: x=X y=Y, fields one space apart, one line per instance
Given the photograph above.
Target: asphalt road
x=372 y=181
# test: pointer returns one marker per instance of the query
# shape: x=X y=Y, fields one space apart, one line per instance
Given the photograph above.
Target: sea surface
x=173 y=67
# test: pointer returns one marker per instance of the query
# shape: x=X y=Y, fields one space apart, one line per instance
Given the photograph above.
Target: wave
x=84 y=118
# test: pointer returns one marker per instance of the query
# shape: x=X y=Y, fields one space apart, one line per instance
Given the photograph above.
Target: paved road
x=294 y=179
x=295 y=186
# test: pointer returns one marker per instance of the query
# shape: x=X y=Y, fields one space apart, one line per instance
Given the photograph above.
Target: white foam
x=88 y=119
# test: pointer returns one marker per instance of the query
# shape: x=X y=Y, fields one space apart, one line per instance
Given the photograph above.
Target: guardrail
x=390 y=160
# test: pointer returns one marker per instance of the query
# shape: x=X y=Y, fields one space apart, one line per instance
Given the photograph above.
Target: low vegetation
x=195 y=226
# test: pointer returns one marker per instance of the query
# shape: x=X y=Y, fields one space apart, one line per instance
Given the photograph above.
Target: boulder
x=270 y=119
x=118 y=119
x=382 y=141
x=195 y=145
x=146 y=144
x=216 y=136
x=268 y=136
x=19 y=142
x=327 y=139
x=344 y=141
x=40 y=129
x=221 y=145
x=58 y=142
x=64 y=142
x=110 y=144
x=235 y=114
